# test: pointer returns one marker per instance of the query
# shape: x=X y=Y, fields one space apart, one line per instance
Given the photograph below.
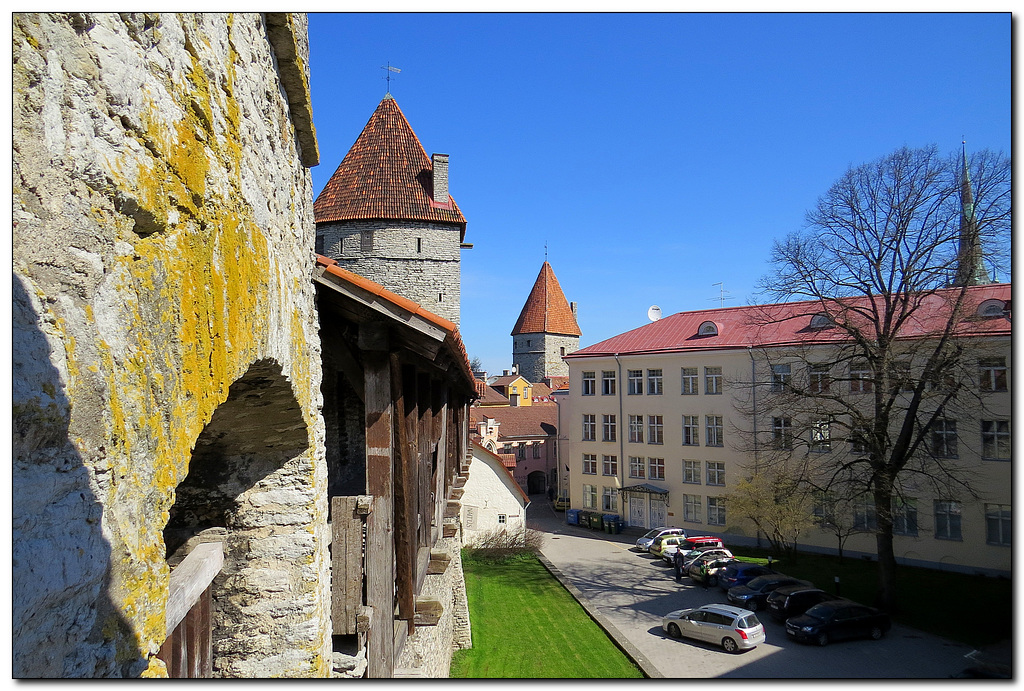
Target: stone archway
x=248 y=485
x=536 y=482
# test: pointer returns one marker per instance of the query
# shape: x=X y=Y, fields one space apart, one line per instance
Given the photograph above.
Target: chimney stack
x=440 y=164
x=572 y=306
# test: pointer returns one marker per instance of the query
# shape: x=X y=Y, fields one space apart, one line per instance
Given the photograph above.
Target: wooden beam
x=346 y=563
x=438 y=561
x=403 y=391
x=428 y=611
x=190 y=579
x=449 y=530
x=380 y=549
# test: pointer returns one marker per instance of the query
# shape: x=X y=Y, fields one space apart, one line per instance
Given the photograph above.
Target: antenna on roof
x=388 y=71
x=721 y=294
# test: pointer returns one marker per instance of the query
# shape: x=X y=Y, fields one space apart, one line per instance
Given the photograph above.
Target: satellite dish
x=654 y=313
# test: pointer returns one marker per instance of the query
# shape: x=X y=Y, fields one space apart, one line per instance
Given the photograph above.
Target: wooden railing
x=188 y=649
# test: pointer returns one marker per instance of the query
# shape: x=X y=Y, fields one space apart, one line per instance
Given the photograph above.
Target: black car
x=753 y=595
x=793 y=600
x=831 y=621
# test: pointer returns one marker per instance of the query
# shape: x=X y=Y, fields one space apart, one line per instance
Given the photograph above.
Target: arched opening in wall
x=536 y=482
x=245 y=489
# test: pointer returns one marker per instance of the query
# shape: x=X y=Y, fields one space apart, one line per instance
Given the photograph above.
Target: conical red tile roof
x=385 y=175
x=546 y=310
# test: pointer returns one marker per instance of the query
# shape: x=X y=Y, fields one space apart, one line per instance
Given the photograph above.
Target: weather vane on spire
x=545 y=250
x=388 y=70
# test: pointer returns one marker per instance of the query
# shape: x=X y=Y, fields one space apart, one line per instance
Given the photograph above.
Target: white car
x=732 y=628
x=644 y=543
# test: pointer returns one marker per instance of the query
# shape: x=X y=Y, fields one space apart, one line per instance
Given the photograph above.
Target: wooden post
x=380 y=550
x=403 y=389
x=347 y=515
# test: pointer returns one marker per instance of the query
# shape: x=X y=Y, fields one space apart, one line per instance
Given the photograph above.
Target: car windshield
x=820 y=612
x=651 y=533
x=749 y=622
x=759 y=582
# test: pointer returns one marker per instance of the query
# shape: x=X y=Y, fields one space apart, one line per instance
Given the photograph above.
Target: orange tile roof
x=525 y=421
x=546 y=310
x=788 y=324
x=452 y=338
x=385 y=175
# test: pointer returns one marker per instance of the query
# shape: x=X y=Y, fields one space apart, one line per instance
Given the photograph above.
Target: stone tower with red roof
x=386 y=215
x=546 y=330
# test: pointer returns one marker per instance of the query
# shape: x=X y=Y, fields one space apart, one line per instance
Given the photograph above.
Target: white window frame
x=715 y=473
x=861 y=378
x=654 y=382
x=608 y=427
x=716 y=511
x=821 y=436
x=655 y=429
x=636 y=429
x=691 y=430
x=714 y=430
x=608 y=382
x=655 y=468
x=782 y=377
x=819 y=378
x=993 y=446
x=609 y=499
x=635 y=382
x=590 y=464
x=944 y=438
x=589 y=383
x=782 y=432
x=904 y=516
x=690 y=381
x=589 y=427
x=948 y=515
x=998 y=525
x=609 y=464
x=590 y=496
x=691 y=472
x=713 y=381
x=691 y=508
x=637 y=467
x=992 y=373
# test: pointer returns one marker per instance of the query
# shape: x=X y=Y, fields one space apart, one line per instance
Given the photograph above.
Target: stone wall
x=163 y=236
x=543 y=357
x=418 y=260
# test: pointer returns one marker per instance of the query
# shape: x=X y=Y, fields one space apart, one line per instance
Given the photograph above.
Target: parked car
x=682 y=560
x=561 y=503
x=753 y=595
x=837 y=619
x=688 y=544
x=716 y=564
x=793 y=600
x=732 y=628
x=644 y=543
x=663 y=542
x=741 y=573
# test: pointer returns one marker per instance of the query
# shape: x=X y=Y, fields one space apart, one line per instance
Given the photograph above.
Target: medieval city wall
x=163 y=318
x=387 y=253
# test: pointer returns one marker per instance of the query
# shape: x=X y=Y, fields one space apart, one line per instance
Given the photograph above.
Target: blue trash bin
x=572 y=516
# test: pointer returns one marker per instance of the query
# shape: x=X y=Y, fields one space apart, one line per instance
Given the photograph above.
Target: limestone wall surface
x=163 y=247
x=543 y=358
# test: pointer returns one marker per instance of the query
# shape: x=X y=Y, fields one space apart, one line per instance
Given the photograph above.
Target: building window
x=689 y=377
x=635 y=381
x=944 y=438
x=419 y=245
x=860 y=438
x=590 y=496
x=589 y=427
x=636 y=429
x=781 y=378
x=506 y=448
x=947 y=520
x=561 y=351
x=819 y=379
x=654 y=382
x=995 y=439
x=899 y=377
x=610 y=499
x=691 y=472
x=610 y=465
x=712 y=380
x=782 y=432
x=713 y=432
x=589 y=383
x=716 y=510
x=366 y=241
x=904 y=517
x=536 y=450
x=655 y=430
x=528 y=342
x=521 y=452
x=823 y=509
x=691 y=425
x=657 y=468
x=636 y=467
x=861 y=378
x=716 y=473
x=998 y=525
x=590 y=464
x=691 y=508
x=608 y=425
x=821 y=436
x=864 y=517
x=607 y=383
x=992 y=372
x=502 y=518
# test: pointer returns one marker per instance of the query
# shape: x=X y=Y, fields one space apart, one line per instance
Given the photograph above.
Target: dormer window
x=708 y=328
x=820 y=321
x=991 y=308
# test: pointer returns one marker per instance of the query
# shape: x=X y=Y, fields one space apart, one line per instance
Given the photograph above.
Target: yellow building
x=661 y=422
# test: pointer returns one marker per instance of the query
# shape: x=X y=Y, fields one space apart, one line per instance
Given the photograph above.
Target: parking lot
x=633 y=591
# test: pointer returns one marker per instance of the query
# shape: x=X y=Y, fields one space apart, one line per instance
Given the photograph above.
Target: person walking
x=704 y=574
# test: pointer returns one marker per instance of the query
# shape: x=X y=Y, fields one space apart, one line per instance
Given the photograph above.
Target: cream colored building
x=662 y=421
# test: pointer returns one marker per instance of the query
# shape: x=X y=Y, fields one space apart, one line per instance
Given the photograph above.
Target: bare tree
x=877 y=269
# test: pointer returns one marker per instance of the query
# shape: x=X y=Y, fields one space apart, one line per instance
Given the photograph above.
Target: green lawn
x=930 y=600
x=526 y=625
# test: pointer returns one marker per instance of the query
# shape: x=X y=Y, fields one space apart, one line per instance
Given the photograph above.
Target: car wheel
x=822 y=638
x=713 y=581
x=673 y=631
x=753 y=605
x=876 y=632
x=729 y=645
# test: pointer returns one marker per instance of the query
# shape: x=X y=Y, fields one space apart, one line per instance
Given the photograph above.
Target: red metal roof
x=385 y=175
x=785 y=324
x=546 y=309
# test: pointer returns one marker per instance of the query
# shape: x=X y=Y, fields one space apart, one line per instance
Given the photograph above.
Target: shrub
x=501 y=544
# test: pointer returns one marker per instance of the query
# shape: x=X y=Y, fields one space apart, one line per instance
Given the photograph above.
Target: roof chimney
x=572 y=306
x=440 y=164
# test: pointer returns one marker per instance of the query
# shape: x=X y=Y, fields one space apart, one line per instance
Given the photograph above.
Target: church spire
x=970 y=270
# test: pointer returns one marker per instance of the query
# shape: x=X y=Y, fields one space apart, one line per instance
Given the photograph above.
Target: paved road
x=633 y=591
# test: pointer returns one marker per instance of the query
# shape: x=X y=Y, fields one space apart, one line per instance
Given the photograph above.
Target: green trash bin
x=596 y=522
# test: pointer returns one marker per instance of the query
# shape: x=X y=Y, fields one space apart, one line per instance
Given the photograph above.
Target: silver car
x=732 y=628
x=644 y=543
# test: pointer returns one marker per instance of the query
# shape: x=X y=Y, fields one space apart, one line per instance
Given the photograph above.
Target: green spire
x=970 y=269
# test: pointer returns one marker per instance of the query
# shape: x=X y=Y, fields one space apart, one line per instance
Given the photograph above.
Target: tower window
x=563 y=351
x=440 y=297
x=527 y=342
x=419 y=245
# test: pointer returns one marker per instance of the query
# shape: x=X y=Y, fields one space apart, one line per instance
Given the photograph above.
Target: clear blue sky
x=655 y=154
